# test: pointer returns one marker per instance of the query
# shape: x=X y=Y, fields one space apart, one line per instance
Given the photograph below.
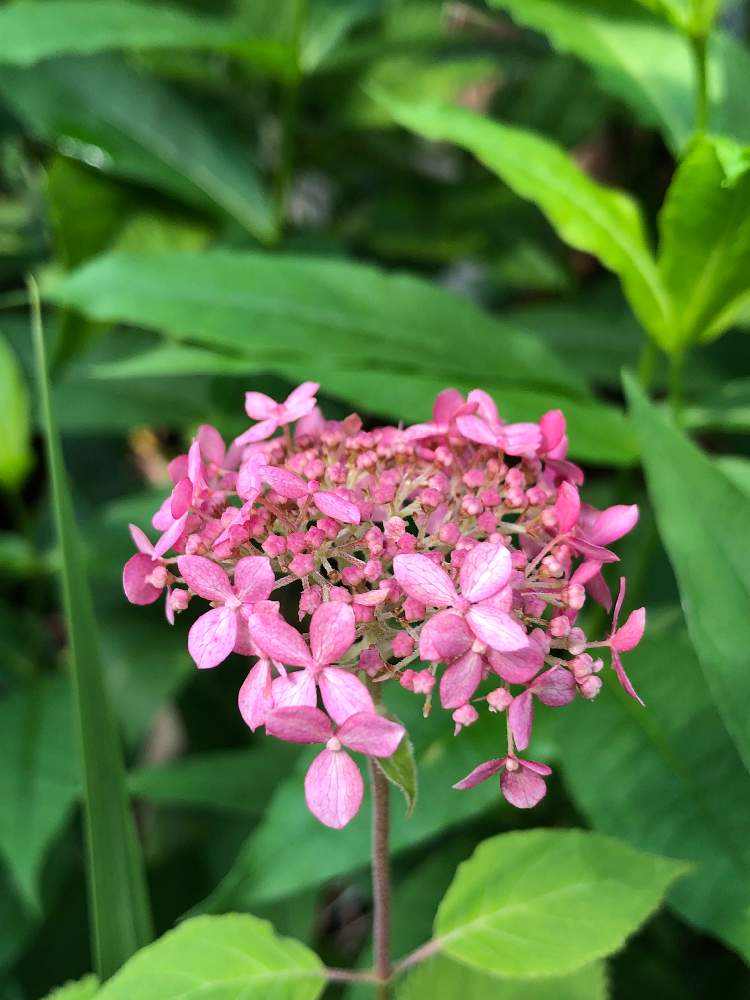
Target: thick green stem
x=647 y=364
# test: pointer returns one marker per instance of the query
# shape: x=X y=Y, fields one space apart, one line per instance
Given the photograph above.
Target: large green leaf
x=600 y=220
x=328 y=313
x=81 y=989
x=15 y=429
x=103 y=112
x=703 y=520
x=219 y=958
x=704 y=252
x=440 y=978
x=668 y=779
x=547 y=902
x=40 y=777
x=69 y=27
x=117 y=891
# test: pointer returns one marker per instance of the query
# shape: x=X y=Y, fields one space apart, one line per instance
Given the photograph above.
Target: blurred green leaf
x=117 y=890
x=106 y=114
x=441 y=978
x=17 y=556
x=326 y=24
x=737 y=470
x=67 y=27
x=703 y=521
x=225 y=956
x=704 y=252
x=667 y=779
x=15 y=430
x=546 y=902
x=40 y=777
x=81 y=989
x=401 y=770
x=587 y=215
x=727 y=409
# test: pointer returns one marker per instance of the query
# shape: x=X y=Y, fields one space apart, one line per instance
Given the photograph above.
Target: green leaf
x=678 y=763
x=15 y=430
x=635 y=57
x=727 y=409
x=401 y=770
x=440 y=978
x=40 y=777
x=272 y=308
x=703 y=521
x=81 y=989
x=117 y=891
x=546 y=902
x=101 y=111
x=219 y=958
x=589 y=216
x=737 y=469
x=704 y=254
x=66 y=27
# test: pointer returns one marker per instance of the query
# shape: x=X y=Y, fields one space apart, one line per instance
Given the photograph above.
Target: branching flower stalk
x=452 y=557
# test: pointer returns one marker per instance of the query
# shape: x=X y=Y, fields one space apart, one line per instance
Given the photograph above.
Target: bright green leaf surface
x=600 y=220
x=119 y=909
x=546 y=902
x=15 y=431
x=703 y=520
x=81 y=989
x=231 y=957
x=440 y=978
x=667 y=779
x=39 y=780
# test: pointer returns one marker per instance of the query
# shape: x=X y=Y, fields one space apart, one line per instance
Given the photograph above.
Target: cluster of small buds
x=454 y=554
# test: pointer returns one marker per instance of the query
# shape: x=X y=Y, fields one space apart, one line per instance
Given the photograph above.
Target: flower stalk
x=381 y=881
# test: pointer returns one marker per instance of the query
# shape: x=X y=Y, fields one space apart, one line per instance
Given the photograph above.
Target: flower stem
x=698 y=44
x=381 y=881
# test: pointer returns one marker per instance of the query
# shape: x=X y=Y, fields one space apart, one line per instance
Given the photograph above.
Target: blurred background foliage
x=222 y=196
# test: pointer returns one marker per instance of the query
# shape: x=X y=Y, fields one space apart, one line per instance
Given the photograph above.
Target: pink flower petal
x=444 y=637
x=137 y=589
x=254 y=699
x=480 y=773
x=301 y=400
x=170 y=536
x=567 y=507
x=258 y=405
x=424 y=581
x=475 y=429
x=460 y=680
x=518 y=667
x=142 y=542
x=418 y=432
x=624 y=679
x=630 y=634
x=343 y=694
x=520 y=716
x=485 y=406
x=249 y=480
x=523 y=788
x=447 y=403
x=299 y=725
x=590 y=551
x=371 y=734
x=331 y=631
x=295 y=689
x=205 y=578
x=613 y=523
x=552 y=426
x=253 y=578
x=285 y=483
x=521 y=439
x=485 y=570
x=277 y=639
x=212 y=636
x=257 y=433
x=336 y=507
x=333 y=788
x=182 y=498
x=555 y=687
x=211 y=444
x=496 y=628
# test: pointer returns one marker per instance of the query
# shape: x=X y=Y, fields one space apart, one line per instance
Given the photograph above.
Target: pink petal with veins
x=475 y=429
x=212 y=636
x=517 y=667
x=371 y=734
x=447 y=403
x=485 y=406
x=424 y=581
x=137 y=589
x=277 y=639
x=285 y=483
x=591 y=551
x=249 y=480
x=444 y=637
x=205 y=578
x=630 y=634
x=523 y=788
x=460 y=680
x=170 y=536
x=254 y=698
x=257 y=433
x=613 y=523
x=336 y=507
x=142 y=542
x=555 y=687
x=521 y=439
x=258 y=405
x=520 y=716
x=331 y=631
x=253 y=578
x=496 y=628
x=182 y=498
x=343 y=694
x=300 y=401
x=295 y=689
x=567 y=507
x=333 y=788
x=480 y=773
x=485 y=570
x=211 y=444
x=299 y=725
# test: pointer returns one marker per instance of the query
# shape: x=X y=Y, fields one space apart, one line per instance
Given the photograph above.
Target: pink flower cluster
x=455 y=553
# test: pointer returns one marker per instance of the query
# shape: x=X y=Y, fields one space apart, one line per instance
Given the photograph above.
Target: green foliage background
x=386 y=196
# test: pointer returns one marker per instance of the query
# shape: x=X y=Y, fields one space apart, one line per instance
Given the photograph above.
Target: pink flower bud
x=414 y=610
x=499 y=699
x=590 y=687
x=371 y=661
x=302 y=564
x=402 y=645
x=466 y=715
x=449 y=534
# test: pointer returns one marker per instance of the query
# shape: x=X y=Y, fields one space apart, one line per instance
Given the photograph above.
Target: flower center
x=333 y=744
